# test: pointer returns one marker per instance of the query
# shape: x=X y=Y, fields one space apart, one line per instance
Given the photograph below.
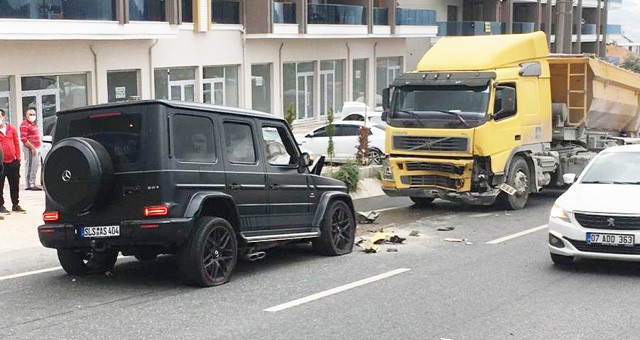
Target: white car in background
x=599 y=216
x=372 y=118
x=345 y=141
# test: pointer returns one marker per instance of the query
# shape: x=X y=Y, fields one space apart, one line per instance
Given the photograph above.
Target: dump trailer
x=495 y=118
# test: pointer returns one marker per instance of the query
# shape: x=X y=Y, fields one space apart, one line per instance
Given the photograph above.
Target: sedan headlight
x=559 y=213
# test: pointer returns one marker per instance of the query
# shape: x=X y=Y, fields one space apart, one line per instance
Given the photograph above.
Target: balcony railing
x=614 y=29
x=586 y=29
x=56 y=9
x=417 y=17
x=284 y=13
x=225 y=12
x=523 y=27
x=147 y=10
x=380 y=16
x=336 y=15
x=460 y=28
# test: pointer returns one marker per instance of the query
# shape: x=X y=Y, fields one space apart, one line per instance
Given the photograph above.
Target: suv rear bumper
x=165 y=232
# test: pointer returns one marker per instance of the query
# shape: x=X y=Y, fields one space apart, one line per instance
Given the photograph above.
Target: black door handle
x=275 y=187
x=235 y=186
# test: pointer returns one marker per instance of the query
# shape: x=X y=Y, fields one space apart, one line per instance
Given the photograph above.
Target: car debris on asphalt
x=447 y=228
x=367 y=217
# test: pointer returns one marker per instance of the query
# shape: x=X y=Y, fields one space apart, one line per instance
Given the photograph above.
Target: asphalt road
x=450 y=290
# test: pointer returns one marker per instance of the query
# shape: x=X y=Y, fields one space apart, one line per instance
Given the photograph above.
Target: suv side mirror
x=569 y=178
x=386 y=93
x=505 y=102
x=303 y=162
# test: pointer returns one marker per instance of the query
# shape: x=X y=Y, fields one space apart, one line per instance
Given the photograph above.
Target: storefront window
x=5 y=98
x=122 y=85
x=298 y=86
x=220 y=85
x=175 y=83
x=360 y=80
x=331 y=86
x=386 y=71
x=261 y=87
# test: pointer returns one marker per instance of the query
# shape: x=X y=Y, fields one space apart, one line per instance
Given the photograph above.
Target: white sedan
x=345 y=141
x=599 y=216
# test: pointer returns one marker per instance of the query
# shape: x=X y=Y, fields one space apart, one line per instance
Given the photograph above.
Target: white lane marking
x=34 y=272
x=522 y=233
x=335 y=290
x=15 y=276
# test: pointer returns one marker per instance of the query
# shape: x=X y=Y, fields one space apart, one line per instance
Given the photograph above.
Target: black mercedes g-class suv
x=207 y=183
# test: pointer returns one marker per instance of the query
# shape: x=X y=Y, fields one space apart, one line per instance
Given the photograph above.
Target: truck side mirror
x=385 y=98
x=384 y=115
x=505 y=102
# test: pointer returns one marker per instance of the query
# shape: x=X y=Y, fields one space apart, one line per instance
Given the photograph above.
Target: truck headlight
x=388 y=174
x=559 y=213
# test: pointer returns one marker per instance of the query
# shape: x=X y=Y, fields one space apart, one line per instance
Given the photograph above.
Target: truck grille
x=431 y=180
x=413 y=143
x=600 y=248
x=609 y=222
x=450 y=168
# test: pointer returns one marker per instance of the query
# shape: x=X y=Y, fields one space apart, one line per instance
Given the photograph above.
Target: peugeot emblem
x=611 y=222
x=66 y=175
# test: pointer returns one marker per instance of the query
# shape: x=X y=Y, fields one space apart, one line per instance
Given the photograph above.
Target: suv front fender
x=324 y=202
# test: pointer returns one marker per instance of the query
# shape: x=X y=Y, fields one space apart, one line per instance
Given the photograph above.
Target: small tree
x=290 y=115
x=330 y=130
x=362 y=153
x=631 y=63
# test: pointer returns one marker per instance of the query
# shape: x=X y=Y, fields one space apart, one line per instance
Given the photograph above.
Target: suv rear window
x=119 y=133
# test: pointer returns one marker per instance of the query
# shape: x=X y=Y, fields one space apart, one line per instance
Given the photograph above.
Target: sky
x=627 y=16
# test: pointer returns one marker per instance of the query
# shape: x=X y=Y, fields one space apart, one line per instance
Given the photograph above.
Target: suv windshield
x=442 y=106
x=614 y=168
x=119 y=133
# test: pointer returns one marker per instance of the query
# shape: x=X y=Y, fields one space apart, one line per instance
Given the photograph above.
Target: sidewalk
x=19 y=231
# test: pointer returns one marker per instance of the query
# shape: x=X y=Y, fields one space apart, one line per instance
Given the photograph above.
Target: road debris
x=367 y=217
x=414 y=233
x=392 y=250
x=450 y=239
x=447 y=228
x=396 y=239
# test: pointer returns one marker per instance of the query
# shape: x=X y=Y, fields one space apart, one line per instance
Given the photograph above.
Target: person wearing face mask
x=11 y=162
x=30 y=137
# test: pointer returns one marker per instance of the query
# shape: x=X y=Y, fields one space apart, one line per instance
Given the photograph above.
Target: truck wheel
x=211 y=253
x=337 y=231
x=86 y=262
x=519 y=178
x=422 y=201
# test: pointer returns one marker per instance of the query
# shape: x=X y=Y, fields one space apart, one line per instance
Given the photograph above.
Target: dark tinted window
x=239 y=143
x=193 y=139
x=119 y=133
x=347 y=130
x=279 y=149
x=322 y=132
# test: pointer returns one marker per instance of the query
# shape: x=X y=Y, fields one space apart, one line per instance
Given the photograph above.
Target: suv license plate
x=104 y=231
x=611 y=239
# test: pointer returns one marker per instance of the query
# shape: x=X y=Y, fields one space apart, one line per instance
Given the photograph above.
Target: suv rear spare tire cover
x=78 y=174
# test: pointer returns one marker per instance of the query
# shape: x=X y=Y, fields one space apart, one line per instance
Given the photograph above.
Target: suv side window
x=278 y=146
x=193 y=139
x=239 y=143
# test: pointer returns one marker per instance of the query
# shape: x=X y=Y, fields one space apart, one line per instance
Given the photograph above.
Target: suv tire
x=210 y=255
x=337 y=231
x=86 y=262
x=78 y=174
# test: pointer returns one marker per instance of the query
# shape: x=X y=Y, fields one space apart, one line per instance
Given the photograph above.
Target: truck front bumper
x=485 y=198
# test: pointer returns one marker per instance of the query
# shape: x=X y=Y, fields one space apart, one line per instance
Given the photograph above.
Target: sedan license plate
x=103 y=231
x=611 y=239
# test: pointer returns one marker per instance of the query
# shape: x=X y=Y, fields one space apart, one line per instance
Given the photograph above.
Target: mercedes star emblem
x=66 y=175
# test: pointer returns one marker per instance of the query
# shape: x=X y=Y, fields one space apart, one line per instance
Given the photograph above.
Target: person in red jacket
x=30 y=137
x=11 y=162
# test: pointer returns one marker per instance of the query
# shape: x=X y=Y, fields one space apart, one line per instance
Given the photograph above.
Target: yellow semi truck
x=495 y=118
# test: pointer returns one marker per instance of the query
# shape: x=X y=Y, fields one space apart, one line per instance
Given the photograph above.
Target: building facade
x=269 y=55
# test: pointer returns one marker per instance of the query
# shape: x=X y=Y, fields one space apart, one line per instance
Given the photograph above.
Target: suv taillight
x=51 y=216
x=158 y=210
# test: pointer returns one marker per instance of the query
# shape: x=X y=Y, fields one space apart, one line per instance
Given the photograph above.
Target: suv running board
x=281 y=237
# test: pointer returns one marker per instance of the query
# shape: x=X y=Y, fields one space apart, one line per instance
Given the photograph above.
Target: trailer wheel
x=519 y=178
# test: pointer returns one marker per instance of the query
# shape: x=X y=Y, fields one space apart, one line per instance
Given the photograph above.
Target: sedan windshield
x=614 y=168
x=442 y=106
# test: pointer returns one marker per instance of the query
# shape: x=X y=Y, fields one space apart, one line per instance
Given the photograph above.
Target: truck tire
x=518 y=178
x=337 y=231
x=78 y=173
x=82 y=262
x=422 y=201
x=210 y=255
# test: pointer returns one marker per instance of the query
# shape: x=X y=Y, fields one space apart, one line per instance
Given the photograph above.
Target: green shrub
x=349 y=174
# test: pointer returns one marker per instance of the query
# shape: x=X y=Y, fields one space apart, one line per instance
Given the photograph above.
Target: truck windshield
x=456 y=106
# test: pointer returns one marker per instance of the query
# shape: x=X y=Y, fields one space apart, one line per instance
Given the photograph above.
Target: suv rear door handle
x=235 y=186
x=275 y=187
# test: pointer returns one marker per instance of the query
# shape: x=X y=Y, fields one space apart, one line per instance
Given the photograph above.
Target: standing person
x=11 y=163
x=30 y=136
